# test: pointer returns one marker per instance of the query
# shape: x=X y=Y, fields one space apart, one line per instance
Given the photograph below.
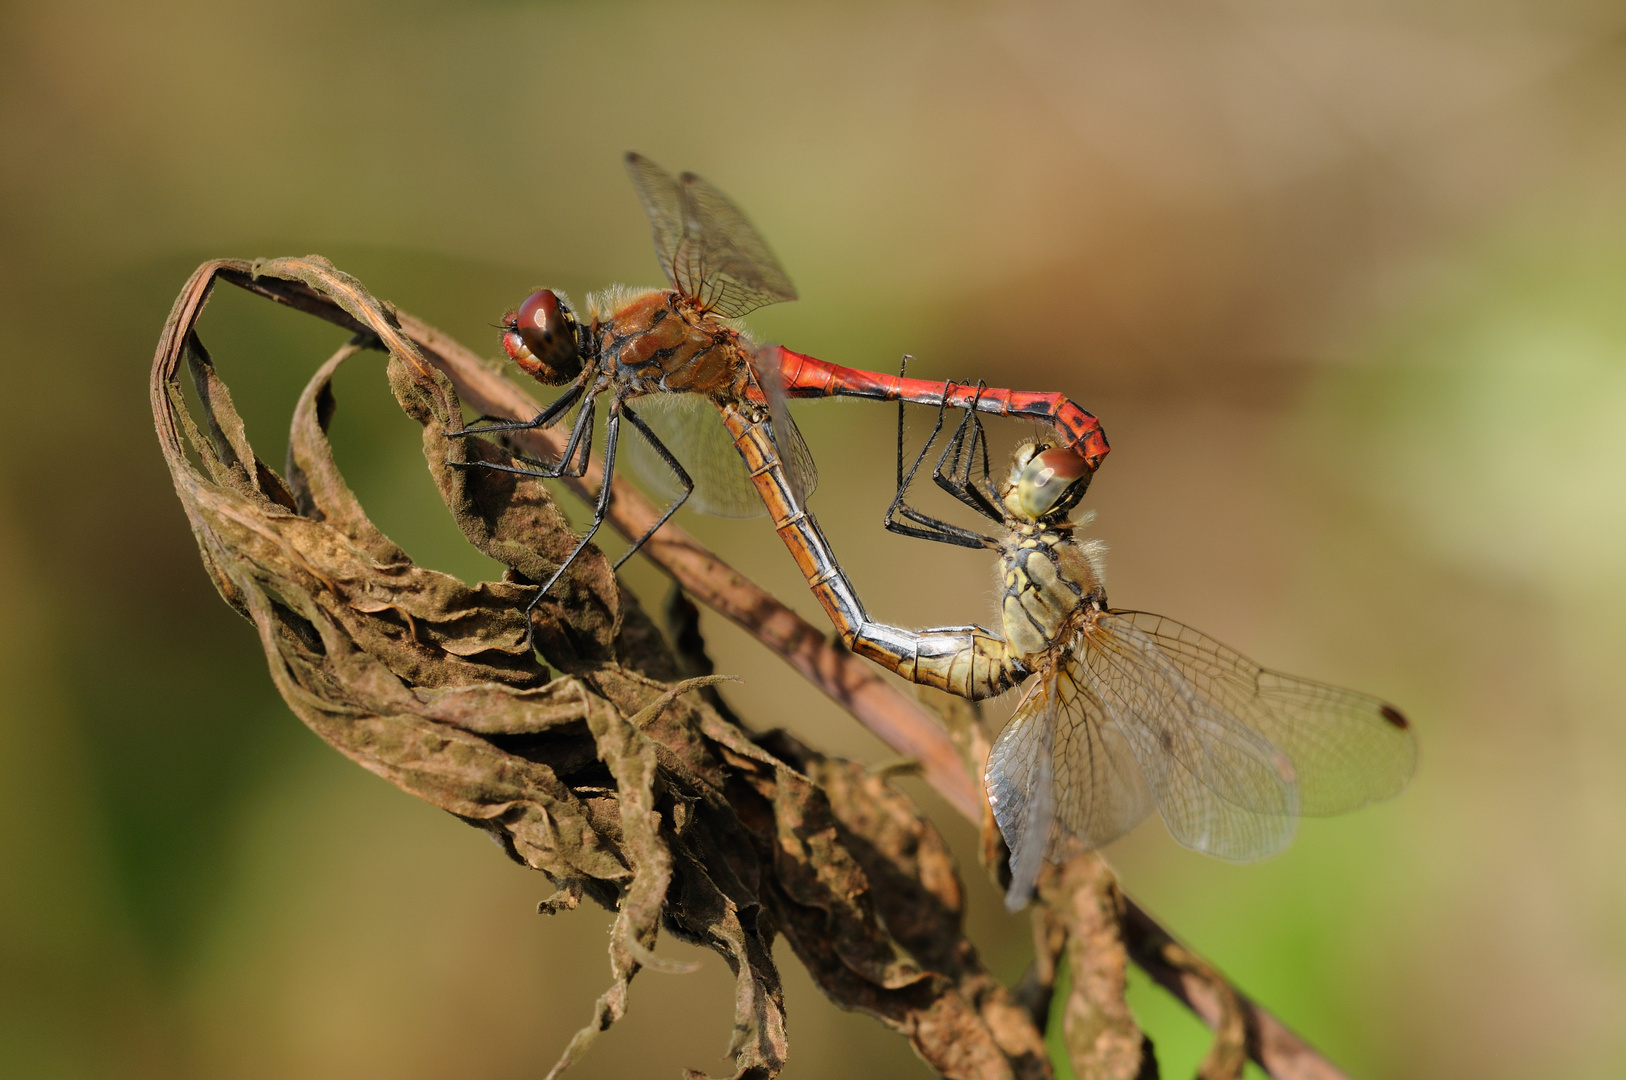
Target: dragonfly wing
x=1059 y=761
x=1346 y=749
x=1221 y=786
x=794 y=455
x=1102 y=789
x=707 y=248
x=734 y=270
x=689 y=426
x=1021 y=789
x=662 y=197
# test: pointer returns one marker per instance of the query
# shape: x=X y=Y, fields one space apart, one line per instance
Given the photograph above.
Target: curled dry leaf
x=616 y=782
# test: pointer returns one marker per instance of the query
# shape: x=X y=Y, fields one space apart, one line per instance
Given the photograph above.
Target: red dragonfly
x=676 y=350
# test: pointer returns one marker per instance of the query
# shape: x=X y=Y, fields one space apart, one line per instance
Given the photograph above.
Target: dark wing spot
x=1392 y=714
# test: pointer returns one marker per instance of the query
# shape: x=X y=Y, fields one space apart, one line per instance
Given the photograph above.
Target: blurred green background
x=1343 y=280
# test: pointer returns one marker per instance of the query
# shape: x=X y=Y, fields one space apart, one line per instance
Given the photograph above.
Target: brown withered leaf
x=616 y=783
x=974 y=1021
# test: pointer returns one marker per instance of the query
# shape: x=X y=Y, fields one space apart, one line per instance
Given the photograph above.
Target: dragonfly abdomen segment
x=964 y=660
x=967 y=660
x=807 y=376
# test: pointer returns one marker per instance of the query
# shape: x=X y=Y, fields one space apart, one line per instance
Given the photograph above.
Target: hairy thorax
x=656 y=341
x=1048 y=581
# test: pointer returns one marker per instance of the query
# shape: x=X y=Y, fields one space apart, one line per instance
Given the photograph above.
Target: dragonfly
x=679 y=352
x=1127 y=710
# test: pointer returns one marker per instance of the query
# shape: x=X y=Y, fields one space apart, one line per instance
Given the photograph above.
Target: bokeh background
x=1345 y=280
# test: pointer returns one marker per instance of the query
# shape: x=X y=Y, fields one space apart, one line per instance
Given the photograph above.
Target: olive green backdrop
x=1345 y=281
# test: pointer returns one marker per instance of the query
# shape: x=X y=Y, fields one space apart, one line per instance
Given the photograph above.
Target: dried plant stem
x=1081 y=916
x=898 y=720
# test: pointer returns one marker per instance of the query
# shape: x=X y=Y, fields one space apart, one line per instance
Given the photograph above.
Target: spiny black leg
x=528 y=459
x=961 y=448
x=903 y=369
x=941 y=531
x=573 y=462
x=904 y=482
x=925 y=527
x=953 y=470
x=612 y=429
x=544 y=419
x=671 y=463
x=540 y=474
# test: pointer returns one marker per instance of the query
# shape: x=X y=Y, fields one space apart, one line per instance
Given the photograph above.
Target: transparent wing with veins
x=793 y=453
x=1147 y=711
x=1057 y=762
x=707 y=248
x=689 y=423
x=1345 y=749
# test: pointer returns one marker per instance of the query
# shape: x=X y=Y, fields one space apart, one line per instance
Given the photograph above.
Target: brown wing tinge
x=736 y=270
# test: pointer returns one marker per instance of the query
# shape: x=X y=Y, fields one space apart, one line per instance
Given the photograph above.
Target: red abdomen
x=807 y=376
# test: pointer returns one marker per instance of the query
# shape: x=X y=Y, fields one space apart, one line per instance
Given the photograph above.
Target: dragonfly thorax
x=658 y=340
x=1049 y=582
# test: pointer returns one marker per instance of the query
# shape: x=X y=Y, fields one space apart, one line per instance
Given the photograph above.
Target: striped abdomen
x=964 y=660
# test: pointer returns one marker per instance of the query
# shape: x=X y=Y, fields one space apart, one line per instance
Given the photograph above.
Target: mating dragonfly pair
x=1125 y=710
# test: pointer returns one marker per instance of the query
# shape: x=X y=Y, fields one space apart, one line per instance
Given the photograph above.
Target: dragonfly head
x=541 y=338
x=1046 y=481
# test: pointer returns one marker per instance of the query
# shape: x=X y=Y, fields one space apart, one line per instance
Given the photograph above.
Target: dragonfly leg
x=903 y=367
x=954 y=467
x=612 y=429
x=573 y=462
x=672 y=463
x=924 y=526
x=546 y=418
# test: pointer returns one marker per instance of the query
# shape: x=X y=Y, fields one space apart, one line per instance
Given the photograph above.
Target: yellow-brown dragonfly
x=1127 y=710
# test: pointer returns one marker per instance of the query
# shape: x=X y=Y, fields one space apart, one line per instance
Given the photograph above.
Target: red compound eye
x=541 y=338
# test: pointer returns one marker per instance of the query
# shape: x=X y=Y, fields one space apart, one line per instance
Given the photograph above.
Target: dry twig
x=1081 y=914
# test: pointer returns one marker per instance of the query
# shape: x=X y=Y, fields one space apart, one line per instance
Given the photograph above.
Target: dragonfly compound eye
x=1051 y=482
x=541 y=338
